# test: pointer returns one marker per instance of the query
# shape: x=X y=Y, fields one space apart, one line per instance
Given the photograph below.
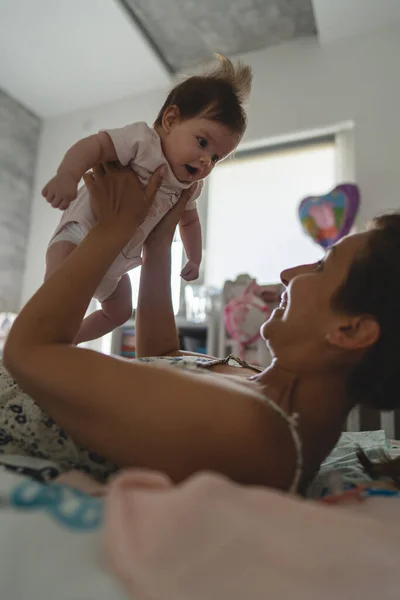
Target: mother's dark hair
x=373 y=287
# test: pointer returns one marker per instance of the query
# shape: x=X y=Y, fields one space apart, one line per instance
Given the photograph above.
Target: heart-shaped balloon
x=328 y=218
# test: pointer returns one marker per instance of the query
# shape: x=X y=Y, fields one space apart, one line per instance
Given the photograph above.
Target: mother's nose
x=288 y=274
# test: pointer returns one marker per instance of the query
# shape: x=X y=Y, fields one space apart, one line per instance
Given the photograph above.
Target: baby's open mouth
x=191 y=170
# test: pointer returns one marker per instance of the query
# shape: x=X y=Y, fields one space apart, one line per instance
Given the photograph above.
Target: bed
x=212 y=539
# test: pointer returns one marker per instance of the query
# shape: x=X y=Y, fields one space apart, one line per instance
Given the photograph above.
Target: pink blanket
x=209 y=539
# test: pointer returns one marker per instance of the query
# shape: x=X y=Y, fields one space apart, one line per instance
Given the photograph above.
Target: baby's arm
x=190 y=230
x=88 y=152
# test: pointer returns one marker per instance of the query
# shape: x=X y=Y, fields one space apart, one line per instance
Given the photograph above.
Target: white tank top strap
x=292 y=422
x=202 y=364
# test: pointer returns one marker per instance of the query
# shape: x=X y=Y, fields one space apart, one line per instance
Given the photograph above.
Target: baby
x=200 y=124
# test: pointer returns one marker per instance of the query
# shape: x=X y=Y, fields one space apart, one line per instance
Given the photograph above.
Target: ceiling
x=189 y=32
x=337 y=19
x=57 y=56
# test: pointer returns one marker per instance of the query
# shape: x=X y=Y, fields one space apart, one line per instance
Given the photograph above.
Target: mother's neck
x=299 y=391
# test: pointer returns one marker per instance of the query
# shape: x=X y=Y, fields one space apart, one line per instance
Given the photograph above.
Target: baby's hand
x=61 y=190
x=190 y=271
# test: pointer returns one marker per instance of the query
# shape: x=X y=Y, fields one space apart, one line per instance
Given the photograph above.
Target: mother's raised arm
x=54 y=314
x=132 y=414
x=156 y=333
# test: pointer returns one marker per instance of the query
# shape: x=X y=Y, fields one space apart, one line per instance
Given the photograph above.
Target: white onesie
x=138 y=146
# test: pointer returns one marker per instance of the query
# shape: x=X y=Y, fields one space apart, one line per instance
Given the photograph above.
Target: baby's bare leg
x=115 y=311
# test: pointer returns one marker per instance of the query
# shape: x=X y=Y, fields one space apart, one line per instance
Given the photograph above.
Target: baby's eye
x=215 y=158
x=202 y=142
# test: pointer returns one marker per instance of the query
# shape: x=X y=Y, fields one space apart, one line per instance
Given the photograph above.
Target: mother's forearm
x=156 y=333
x=54 y=314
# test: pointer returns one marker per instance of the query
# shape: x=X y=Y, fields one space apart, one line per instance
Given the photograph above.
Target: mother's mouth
x=284 y=301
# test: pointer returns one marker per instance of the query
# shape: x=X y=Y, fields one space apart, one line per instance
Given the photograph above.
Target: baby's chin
x=180 y=173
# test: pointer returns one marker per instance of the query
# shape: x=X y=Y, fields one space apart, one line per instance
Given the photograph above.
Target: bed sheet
x=241 y=541
x=343 y=458
x=50 y=538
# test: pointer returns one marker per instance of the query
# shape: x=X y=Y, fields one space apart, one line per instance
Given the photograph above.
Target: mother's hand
x=117 y=198
x=163 y=232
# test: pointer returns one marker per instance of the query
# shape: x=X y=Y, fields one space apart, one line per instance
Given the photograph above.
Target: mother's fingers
x=173 y=216
x=89 y=180
x=180 y=206
x=185 y=196
x=110 y=167
x=154 y=184
x=98 y=171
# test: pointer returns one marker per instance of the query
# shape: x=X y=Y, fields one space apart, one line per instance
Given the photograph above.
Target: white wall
x=297 y=87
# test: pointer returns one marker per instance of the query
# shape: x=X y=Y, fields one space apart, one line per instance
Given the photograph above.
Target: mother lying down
x=333 y=339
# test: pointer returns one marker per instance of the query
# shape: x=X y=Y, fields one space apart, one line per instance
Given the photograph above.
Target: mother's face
x=305 y=329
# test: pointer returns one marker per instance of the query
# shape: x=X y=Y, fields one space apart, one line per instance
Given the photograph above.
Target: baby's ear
x=170 y=117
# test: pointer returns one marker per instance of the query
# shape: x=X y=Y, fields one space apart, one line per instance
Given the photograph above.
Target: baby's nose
x=205 y=161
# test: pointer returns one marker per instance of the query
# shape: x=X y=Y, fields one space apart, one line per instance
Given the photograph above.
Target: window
x=253 y=225
x=176 y=267
x=104 y=344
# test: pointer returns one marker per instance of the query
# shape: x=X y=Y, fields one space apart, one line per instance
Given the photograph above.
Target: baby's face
x=194 y=147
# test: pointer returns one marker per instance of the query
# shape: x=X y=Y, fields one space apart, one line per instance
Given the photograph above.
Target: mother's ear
x=355 y=333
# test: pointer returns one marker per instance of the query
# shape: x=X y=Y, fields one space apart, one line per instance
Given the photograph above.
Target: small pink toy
x=244 y=316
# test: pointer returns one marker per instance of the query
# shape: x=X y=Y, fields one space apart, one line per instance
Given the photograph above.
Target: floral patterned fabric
x=26 y=430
